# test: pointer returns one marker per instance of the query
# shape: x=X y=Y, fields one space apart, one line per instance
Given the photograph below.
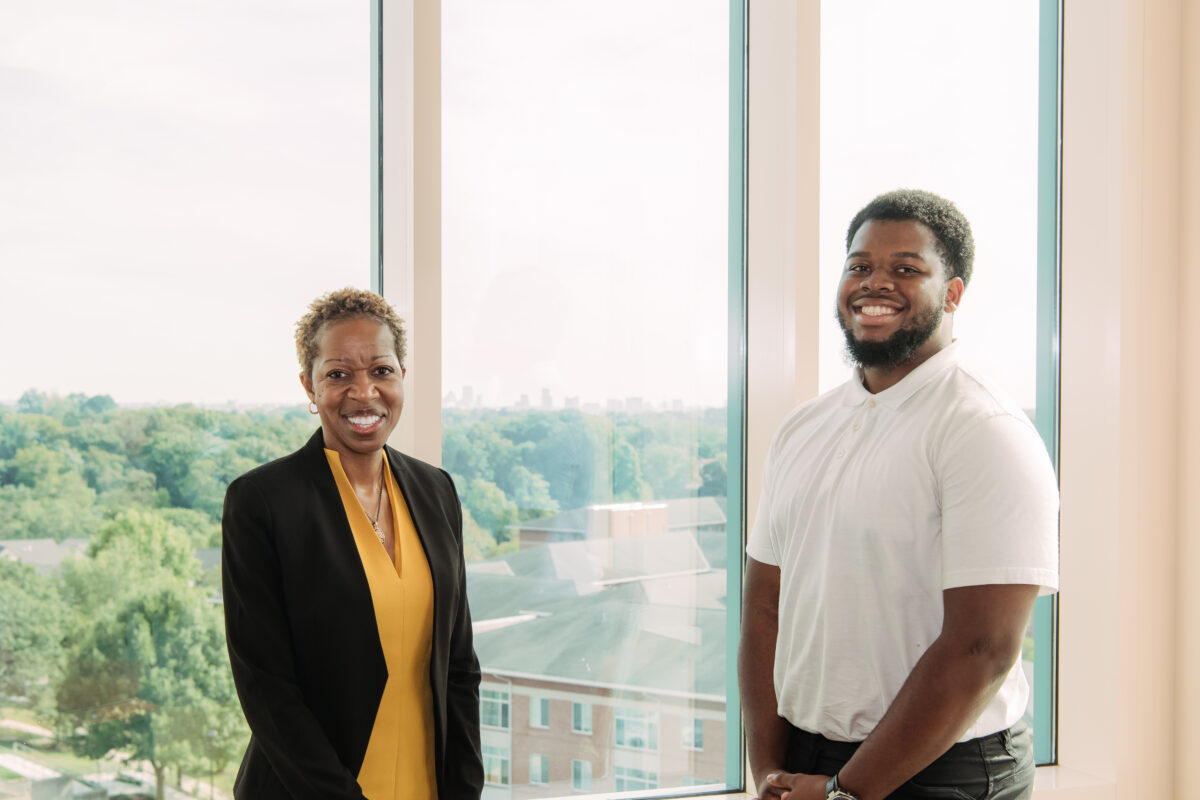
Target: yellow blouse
x=399 y=762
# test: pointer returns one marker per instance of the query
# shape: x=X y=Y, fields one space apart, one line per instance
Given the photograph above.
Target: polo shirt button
x=858 y=426
x=870 y=404
x=841 y=453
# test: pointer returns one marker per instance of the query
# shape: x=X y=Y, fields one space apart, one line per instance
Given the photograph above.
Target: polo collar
x=895 y=396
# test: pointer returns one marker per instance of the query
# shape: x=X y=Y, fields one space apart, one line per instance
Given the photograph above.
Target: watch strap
x=833 y=791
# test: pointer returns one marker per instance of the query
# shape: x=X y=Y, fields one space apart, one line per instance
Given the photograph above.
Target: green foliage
x=151 y=678
x=714 y=477
x=126 y=643
x=539 y=463
x=68 y=463
x=147 y=671
x=478 y=544
x=489 y=507
x=31 y=632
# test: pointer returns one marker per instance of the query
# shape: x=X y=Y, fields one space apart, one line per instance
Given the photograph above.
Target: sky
x=179 y=180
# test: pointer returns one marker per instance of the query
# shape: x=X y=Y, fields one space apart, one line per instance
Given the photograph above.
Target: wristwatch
x=835 y=792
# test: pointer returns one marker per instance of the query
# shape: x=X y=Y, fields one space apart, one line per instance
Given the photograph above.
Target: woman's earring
x=312 y=408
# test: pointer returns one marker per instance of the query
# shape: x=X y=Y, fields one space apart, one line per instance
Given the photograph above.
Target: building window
x=495 y=765
x=539 y=769
x=581 y=776
x=581 y=717
x=493 y=708
x=629 y=779
x=539 y=712
x=637 y=730
x=693 y=734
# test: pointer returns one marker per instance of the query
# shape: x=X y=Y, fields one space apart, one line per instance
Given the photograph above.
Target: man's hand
x=793 y=786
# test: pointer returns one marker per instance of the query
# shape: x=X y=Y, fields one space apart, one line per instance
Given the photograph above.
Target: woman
x=345 y=590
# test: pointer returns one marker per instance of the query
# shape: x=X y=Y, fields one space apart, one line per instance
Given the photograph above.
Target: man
x=908 y=522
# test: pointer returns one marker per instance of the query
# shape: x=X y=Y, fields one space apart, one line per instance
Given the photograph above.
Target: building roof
x=618 y=638
x=637 y=611
x=44 y=555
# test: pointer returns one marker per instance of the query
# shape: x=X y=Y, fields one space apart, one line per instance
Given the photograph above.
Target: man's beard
x=897 y=348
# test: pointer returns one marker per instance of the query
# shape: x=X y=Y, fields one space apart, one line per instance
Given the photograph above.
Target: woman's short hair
x=343 y=304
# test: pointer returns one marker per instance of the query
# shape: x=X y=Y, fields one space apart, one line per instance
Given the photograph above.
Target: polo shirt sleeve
x=999 y=499
x=760 y=544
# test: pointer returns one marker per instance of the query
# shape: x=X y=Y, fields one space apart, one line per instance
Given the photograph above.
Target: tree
x=668 y=468
x=147 y=671
x=152 y=679
x=478 y=544
x=714 y=481
x=489 y=508
x=31 y=632
x=627 y=483
x=529 y=492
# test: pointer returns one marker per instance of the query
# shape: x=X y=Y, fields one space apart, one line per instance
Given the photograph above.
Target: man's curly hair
x=343 y=304
x=955 y=244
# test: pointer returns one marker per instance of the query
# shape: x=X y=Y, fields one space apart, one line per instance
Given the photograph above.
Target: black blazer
x=300 y=624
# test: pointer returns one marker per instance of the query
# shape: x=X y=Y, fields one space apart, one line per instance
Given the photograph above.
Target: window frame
x=581 y=775
x=410 y=220
x=645 y=779
x=542 y=704
x=502 y=757
x=543 y=770
x=504 y=705
x=783 y=304
x=625 y=717
x=584 y=710
x=695 y=741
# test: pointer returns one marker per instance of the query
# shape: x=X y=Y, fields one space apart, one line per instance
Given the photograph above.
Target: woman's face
x=357 y=384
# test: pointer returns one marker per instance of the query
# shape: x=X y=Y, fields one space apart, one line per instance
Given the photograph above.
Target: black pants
x=994 y=767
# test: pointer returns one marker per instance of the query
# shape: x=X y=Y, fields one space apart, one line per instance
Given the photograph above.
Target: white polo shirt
x=872 y=505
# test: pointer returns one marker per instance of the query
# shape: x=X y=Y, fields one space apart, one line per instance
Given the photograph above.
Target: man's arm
x=766 y=731
x=960 y=673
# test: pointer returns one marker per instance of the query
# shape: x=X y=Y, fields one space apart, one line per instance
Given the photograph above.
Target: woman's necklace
x=378 y=508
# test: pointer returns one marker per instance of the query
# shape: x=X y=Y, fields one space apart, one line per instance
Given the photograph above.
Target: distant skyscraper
x=547 y=403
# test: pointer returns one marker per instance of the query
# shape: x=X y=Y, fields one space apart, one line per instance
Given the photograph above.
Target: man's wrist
x=834 y=790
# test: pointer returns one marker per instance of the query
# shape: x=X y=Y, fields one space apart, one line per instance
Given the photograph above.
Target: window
x=581 y=776
x=539 y=712
x=629 y=779
x=591 y=346
x=539 y=769
x=1003 y=177
x=495 y=765
x=493 y=708
x=636 y=729
x=581 y=717
x=693 y=734
x=181 y=208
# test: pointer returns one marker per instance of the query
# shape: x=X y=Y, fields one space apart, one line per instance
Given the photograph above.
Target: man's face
x=893 y=294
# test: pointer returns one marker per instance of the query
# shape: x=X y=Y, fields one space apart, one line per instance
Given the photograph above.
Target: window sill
x=1064 y=783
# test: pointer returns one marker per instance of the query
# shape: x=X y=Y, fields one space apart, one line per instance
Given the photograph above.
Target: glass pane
x=973 y=136
x=178 y=184
x=585 y=367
